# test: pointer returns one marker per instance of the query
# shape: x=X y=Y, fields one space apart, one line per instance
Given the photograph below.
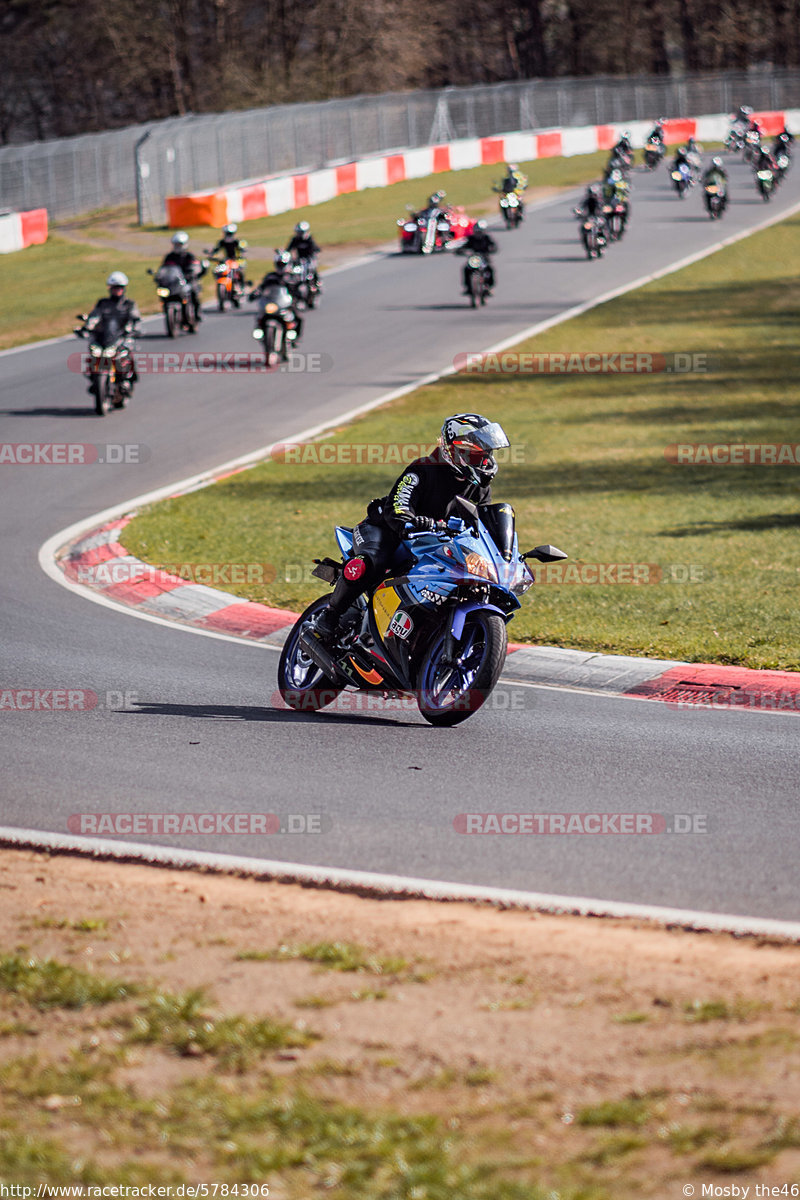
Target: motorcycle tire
x=482 y=656
x=270 y=341
x=98 y=392
x=171 y=320
x=474 y=289
x=301 y=683
x=221 y=295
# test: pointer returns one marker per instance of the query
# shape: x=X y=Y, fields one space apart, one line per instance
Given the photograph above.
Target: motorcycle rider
x=479 y=242
x=591 y=208
x=191 y=266
x=615 y=191
x=229 y=246
x=303 y=247
x=118 y=307
x=281 y=276
x=656 y=134
x=463 y=464
x=716 y=174
x=514 y=181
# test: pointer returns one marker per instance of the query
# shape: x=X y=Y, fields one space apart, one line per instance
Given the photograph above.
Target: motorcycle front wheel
x=101 y=390
x=448 y=693
x=221 y=294
x=302 y=685
x=171 y=319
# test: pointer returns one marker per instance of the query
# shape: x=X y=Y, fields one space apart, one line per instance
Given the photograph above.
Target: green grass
x=44 y=287
x=594 y=477
x=335 y=956
x=46 y=984
x=632 y=1110
x=62 y=277
x=183 y=1024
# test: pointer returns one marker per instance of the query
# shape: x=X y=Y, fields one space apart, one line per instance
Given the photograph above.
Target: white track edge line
x=407 y=886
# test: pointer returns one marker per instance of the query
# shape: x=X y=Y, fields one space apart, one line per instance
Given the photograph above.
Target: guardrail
x=149 y=162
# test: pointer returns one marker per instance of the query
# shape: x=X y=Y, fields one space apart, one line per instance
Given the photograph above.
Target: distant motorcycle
x=510 y=208
x=681 y=177
x=716 y=199
x=752 y=145
x=276 y=322
x=477 y=279
x=654 y=151
x=782 y=163
x=230 y=282
x=593 y=234
x=110 y=368
x=306 y=287
x=765 y=181
x=178 y=301
x=615 y=215
x=425 y=232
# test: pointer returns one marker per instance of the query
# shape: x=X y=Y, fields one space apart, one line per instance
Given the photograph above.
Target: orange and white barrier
x=268 y=197
x=18 y=230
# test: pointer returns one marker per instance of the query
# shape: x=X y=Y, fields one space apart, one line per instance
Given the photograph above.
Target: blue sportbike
x=434 y=627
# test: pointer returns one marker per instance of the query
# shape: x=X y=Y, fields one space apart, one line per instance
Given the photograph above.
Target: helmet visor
x=489 y=437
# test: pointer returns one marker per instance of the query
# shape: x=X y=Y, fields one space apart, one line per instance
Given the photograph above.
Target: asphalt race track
x=186 y=723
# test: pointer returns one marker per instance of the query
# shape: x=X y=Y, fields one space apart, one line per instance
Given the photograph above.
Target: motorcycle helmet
x=594 y=190
x=302 y=227
x=179 y=239
x=117 y=282
x=282 y=259
x=230 y=229
x=615 y=176
x=480 y=224
x=716 y=161
x=466 y=444
x=513 y=166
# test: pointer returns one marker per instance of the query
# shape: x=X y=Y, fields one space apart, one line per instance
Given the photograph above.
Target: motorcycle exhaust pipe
x=321 y=658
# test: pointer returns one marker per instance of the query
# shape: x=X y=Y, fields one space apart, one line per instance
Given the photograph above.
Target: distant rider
x=117 y=307
x=193 y=270
x=303 y=247
x=281 y=276
x=230 y=246
x=479 y=242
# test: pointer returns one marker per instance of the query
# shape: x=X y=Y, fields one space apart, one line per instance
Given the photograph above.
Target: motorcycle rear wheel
x=221 y=295
x=302 y=685
x=448 y=695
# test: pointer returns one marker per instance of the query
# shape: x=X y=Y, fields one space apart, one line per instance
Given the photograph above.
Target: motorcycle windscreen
x=499 y=522
x=277 y=295
x=171 y=277
x=106 y=332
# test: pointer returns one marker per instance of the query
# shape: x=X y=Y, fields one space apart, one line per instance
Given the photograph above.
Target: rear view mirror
x=545 y=554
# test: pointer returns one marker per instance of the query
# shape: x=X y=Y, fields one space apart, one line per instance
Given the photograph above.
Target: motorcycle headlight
x=270 y=308
x=258 y=333
x=162 y=292
x=95 y=351
x=474 y=261
x=410 y=227
x=476 y=564
x=109 y=351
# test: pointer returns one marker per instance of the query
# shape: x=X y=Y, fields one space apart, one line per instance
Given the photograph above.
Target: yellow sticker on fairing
x=385 y=604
